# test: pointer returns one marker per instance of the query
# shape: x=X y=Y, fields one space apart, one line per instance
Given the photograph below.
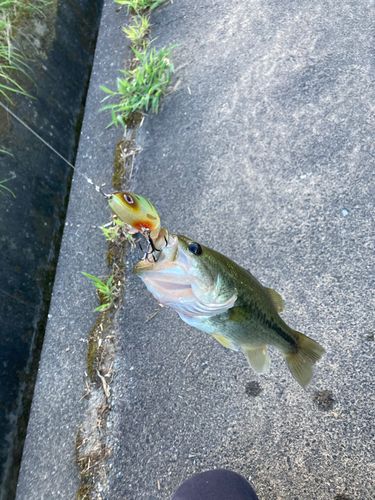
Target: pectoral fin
x=258 y=358
x=276 y=299
x=225 y=342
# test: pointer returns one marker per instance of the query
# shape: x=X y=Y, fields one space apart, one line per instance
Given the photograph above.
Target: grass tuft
x=142 y=87
x=138 y=31
x=114 y=232
x=11 y=59
x=140 y=5
x=105 y=291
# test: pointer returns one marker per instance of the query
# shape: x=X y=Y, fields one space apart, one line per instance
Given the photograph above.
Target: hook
x=150 y=244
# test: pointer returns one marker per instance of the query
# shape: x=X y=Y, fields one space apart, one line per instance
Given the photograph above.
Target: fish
x=212 y=293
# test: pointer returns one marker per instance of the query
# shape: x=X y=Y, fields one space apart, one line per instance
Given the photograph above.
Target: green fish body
x=214 y=294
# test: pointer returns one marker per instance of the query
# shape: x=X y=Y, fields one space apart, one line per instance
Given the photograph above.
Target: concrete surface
x=60 y=48
x=48 y=469
x=263 y=151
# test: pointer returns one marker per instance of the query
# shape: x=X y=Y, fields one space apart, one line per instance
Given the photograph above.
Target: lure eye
x=128 y=198
x=195 y=248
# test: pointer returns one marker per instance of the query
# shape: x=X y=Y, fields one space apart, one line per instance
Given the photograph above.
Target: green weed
x=11 y=59
x=139 y=5
x=143 y=86
x=105 y=291
x=138 y=31
x=112 y=233
x=6 y=180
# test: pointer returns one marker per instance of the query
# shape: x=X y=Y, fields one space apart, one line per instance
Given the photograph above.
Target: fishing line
x=54 y=150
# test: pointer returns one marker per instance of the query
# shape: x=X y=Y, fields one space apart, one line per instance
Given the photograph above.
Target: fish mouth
x=175 y=281
x=169 y=278
x=172 y=269
x=164 y=258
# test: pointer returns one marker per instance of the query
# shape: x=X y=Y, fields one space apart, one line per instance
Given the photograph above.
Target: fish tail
x=301 y=362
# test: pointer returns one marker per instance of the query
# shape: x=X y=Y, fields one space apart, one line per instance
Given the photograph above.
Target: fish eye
x=128 y=198
x=195 y=248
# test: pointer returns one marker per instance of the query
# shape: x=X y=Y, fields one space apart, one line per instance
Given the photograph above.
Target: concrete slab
x=48 y=469
x=263 y=151
x=59 y=46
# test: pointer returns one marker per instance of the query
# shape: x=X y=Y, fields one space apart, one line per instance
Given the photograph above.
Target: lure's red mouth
x=141 y=226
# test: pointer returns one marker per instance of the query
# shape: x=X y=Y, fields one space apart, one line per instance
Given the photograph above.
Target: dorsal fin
x=276 y=299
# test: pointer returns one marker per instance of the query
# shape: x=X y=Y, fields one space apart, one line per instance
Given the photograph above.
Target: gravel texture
x=263 y=151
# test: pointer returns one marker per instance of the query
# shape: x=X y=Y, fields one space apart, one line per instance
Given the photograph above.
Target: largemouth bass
x=214 y=294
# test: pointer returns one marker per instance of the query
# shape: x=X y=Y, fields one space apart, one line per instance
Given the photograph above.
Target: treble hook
x=150 y=243
x=146 y=253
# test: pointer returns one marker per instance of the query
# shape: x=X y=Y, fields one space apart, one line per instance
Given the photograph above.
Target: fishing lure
x=140 y=214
